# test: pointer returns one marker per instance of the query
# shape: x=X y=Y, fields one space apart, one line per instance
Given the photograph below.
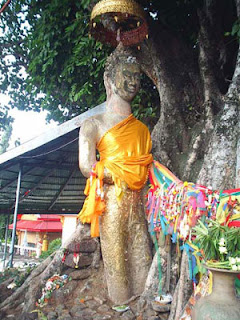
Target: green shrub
x=53 y=246
x=18 y=275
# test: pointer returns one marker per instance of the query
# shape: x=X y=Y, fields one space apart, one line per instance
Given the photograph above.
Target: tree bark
x=173 y=68
x=221 y=162
x=206 y=150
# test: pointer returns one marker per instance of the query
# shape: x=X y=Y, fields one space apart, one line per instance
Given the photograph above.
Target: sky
x=26 y=125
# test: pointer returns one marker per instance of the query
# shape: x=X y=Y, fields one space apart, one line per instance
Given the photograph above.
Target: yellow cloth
x=125 y=153
x=223 y=213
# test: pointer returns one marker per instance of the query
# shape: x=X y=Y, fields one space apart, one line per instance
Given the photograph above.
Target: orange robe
x=125 y=152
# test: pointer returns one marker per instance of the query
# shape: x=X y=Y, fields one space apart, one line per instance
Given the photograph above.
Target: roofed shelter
x=35 y=229
x=42 y=175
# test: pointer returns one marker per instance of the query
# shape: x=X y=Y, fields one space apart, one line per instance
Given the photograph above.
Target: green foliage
x=212 y=236
x=5 y=119
x=5 y=137
x=22 y=276
x=49 y=62
x=235 y=32
x=18 y=276
x=3 y=222
x=146 y=104
x=49 y=40
x=41 y=315
x=8 y=273
x=53 y=246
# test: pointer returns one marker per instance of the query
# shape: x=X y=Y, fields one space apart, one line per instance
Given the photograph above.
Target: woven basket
x=126 y=18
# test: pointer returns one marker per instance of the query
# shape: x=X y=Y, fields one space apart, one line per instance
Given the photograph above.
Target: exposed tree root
x=31 y=287
x=30 y=291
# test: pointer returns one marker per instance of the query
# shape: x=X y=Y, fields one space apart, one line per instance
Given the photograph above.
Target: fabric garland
x=174 y=207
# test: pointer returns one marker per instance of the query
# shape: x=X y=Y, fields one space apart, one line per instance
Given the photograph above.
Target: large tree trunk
x=201 y=144
x=219 y=168
x=173 y=69
x=221 y=163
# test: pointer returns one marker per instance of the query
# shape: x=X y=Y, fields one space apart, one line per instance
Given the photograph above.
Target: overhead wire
x=53 y=150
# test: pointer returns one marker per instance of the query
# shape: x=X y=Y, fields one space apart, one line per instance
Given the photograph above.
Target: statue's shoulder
x=89 y=125
x=93 y=124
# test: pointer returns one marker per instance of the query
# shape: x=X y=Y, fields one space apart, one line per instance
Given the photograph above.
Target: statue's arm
x=87 y=146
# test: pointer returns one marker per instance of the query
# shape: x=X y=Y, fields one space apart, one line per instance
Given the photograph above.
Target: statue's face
x=127 y=81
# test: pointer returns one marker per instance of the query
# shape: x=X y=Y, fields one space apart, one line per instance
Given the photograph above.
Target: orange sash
x=125 y=153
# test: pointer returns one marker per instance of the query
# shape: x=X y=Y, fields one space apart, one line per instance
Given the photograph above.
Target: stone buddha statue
x=114 y=204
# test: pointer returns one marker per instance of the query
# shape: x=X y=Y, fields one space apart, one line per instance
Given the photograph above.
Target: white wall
x=69 y=226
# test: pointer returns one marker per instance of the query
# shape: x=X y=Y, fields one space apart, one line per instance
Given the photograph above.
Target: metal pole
x=15 y=217
x=5 y=246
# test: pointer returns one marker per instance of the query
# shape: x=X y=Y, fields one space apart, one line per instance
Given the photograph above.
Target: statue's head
x=123 y=73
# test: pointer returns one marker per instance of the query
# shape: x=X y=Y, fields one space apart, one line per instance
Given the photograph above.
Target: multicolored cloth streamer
x=175 y=206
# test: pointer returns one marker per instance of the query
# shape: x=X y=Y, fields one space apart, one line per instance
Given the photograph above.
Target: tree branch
x=5 y=6
x=10 y=44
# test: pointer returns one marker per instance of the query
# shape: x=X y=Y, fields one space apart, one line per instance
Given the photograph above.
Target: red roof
x=44 y=217
x=38 y=226
x=48 y=217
